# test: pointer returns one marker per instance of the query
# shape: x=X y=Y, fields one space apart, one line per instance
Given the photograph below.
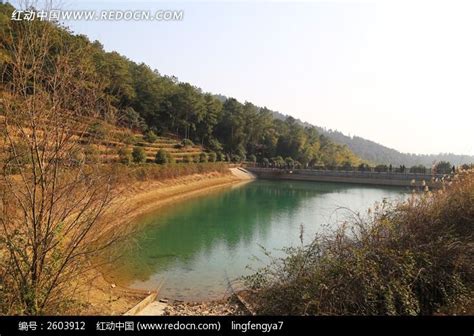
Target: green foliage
x=221 y=157
x=132 y=119
x=138 y=155
x=235 y=158
x=278 y=161
x=373 y=152
x=98 y=131
x=214 y=145
x=138 y=97
x=289 y=162
x=381 y=168
x=163 y=157
x=420 y=169
x=150 y=136
x=252 y=158
x=347 y=166
x=127 y=138
x=212 y=157
x=363 y=167
x=125 y=156
x=187 y=158
x=443 y=167
x=411 y=258
x=151 y=172
x=187 y=143
x=203 y=157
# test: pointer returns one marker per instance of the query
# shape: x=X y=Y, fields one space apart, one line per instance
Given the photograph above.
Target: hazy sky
x=397 y=72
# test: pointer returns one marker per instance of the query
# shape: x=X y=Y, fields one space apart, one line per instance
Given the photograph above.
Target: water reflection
x=197 y=243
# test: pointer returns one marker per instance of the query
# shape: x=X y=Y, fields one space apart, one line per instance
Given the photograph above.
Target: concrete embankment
x=242 y=174
x=367 y=178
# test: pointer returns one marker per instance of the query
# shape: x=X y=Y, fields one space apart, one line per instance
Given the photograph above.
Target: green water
x=199 y=243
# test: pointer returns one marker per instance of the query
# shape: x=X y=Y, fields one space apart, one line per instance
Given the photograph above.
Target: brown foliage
x=410 y=258
x=50 y=199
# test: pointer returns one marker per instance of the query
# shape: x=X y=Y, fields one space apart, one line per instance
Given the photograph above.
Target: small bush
x=212 y=157
x=126 y=137
x=443 y=167
x=150 y=136
x=289 y=162
x=98 y=130
x=149 y=172
x=347 y=166
x=278 y=161
x=252 y=158
x=138 y=155
x=19 y=154
x=235 y=158
x=363 y=167
x=203 y=157
x=214 y=145
x=420 y=169
x=125 y=156
x=381 y=168
x=77 y=157
x=221 y=157
x=163 y=157
x=92 y=154
x=187 y=143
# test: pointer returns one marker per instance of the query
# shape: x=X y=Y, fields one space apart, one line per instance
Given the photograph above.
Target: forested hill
x=140 y=98
x=379 y=154
x=137 y=97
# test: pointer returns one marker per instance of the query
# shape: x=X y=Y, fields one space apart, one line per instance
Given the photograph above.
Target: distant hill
x=376 y=153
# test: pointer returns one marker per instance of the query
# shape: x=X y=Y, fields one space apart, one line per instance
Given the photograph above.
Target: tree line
x=135 y=96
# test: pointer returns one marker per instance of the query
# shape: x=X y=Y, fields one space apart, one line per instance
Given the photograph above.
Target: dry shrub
x=51 y=199
x=411 y=258
x=148 y=172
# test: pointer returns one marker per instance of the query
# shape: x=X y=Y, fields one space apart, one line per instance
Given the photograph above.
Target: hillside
x=376 y=153
x=133 y=96
x=108 y=145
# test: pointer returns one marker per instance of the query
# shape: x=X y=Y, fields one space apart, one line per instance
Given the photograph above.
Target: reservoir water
x=196 y=245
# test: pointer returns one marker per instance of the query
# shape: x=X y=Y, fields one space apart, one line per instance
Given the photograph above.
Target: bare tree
x=51 y=197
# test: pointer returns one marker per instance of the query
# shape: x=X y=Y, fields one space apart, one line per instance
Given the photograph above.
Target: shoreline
x=143 y=198
x=101 y=296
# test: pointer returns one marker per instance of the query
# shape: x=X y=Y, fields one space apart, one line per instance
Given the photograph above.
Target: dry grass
x=148 y=172
x=414 y=258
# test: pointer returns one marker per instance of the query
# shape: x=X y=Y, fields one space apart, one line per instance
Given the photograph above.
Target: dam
x=395 y=179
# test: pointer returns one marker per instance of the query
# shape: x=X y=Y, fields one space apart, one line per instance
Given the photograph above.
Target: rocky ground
x=230 y=306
